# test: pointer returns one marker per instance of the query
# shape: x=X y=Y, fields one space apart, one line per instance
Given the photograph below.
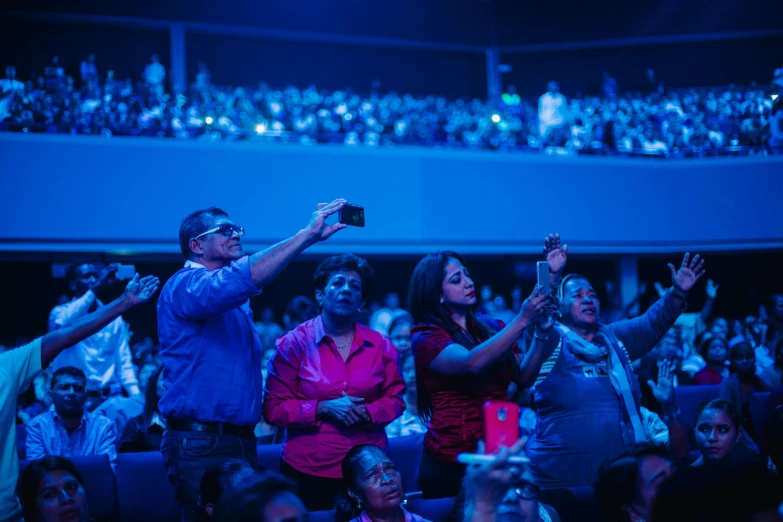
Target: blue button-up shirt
x=46 y=435
x=210 y=349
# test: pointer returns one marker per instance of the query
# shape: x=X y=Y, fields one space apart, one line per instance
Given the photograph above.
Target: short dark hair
x=301 y=309
x=193 y=225
x=343 y=263
x=706 y=341
x=32 y=475
x=346 y=508
x=219 y=479
x=399 y=319
x=71 y=371
x=73 y=266
x=248 y=501
x=617 y=483
x=721 y=405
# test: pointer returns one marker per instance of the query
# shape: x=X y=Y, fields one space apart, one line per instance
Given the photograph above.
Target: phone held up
x=125 y=272
x=542 y=276
x=501 y=425
x=351 y=215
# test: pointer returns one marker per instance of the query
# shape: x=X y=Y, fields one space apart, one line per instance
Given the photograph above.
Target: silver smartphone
x=542 y=276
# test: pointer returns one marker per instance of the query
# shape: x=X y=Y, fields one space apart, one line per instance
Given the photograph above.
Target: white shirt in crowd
x=154 y=73
x=105 y=358
x=551 y=111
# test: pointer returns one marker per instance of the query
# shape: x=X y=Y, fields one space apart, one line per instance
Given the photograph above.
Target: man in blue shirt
x=210 y=350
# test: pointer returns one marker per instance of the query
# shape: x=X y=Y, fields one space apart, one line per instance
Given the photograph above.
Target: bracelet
x=678 y=296
x=672 y=415
x=535 y=336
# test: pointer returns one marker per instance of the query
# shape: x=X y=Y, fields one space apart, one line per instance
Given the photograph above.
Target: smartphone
x=542 y=276
x=125 y=272
x=352 y=215
x=501 y=425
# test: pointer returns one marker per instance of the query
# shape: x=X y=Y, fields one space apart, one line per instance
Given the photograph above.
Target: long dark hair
x=425 y=307
x=32 y=475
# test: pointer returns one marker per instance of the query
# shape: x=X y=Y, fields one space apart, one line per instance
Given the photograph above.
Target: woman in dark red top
x=715 y=351
x=462 y=361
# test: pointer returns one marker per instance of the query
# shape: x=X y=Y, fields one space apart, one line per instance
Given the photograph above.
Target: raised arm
x=642 y=333
x=138 y=291
x=540 y=347
x=455 y=359
x=664 y=393
x=267 y=264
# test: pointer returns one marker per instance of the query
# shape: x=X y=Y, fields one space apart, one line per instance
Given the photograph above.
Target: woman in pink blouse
x=333 y=383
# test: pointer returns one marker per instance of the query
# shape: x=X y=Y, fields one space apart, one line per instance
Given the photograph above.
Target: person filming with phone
x=105 y=357
x=210 y=349
x=586 y=397
x=462 y=360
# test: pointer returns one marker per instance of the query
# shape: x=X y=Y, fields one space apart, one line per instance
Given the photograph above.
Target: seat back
x=759 y=414
x=435 y=510
x=405 y=452
x=144 y=490
x=99 y=484
x=689 y=398
x=269 y=456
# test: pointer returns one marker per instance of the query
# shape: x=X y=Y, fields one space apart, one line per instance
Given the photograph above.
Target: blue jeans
x=188 y=454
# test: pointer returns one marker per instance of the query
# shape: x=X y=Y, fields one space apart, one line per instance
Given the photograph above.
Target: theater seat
x=144 y=490
x=321 y=516
x=405 y=452
x=99 y=484
x=759 y=413
x=688 y=400
x=435 y=510
x=269 y=456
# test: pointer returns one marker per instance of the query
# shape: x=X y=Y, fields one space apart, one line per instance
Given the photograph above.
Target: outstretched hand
x=318 y=228
x=711 y=289
x=141 y=290
x=663 y=391
x=554 y=254
x=689 y=273
x=489 y=482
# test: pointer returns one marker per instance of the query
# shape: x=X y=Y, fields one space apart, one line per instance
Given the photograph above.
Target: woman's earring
x=359 y=504
x=441 y=300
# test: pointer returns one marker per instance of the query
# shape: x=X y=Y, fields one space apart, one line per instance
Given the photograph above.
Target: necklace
x=348 y=345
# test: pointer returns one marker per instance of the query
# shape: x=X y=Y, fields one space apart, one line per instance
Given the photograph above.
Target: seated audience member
x=628 y=484
x=52 y=490
x=409 y=422
x=735 y=494
x=145 y=432
x=373 y=488
x=773 y=375
x=741 y=384
x=400 y=333
x=264 y=497
x=499 y=491
x=718 y=431
x=332 y=383
x=20 y=365
x=715 y=351
x=299 y=310
x=670 y=351
x=268 y=330
x=218 y=480
x=67 y=429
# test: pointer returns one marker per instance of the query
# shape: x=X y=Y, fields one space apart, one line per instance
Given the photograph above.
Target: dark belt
x=221 y=428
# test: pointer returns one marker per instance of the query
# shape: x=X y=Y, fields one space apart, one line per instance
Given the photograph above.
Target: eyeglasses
x=227 y=229
x=527 y=491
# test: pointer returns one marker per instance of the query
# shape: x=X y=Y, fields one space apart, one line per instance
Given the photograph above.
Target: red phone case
x=501 y=425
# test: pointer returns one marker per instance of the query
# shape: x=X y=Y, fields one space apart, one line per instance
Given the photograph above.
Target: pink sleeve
x=391 y=404
x=282 y=408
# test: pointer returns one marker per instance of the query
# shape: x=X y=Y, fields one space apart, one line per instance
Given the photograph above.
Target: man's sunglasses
x=227 y=229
